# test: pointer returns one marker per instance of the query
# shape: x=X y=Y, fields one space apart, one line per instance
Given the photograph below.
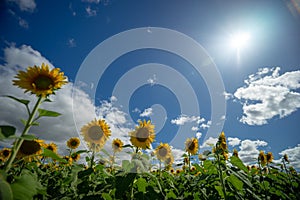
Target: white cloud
x=25 y=5
x=293 y=155
x=228 y=95
x=233 y=141
x=195 y=128
x=90 y=12
x=266 y=96
x=209 y=142
x=71 y=42
x=182 y=119
x=136 y=110
x=147 y=112
x=198 y=135
x=152 y=80
x=22 y=22
x=248 y=152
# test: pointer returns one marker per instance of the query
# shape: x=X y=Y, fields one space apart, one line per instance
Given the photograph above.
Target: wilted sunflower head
x=73 y=143
x=143 y=135
x=191 y=145
x=117 y=145
x=262 y=158
x=40 y=80
x=5 y=153
x=163 y=151
x=269 y=157
x=96 y=134
x=51 y=147
x=30 y=148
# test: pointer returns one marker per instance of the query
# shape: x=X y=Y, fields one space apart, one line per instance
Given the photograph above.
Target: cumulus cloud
x=147 y=112
x=25 y=5
x=182 y=119
x=209 y=142
x=233 y=141
x=268 y=94
x=293 y=155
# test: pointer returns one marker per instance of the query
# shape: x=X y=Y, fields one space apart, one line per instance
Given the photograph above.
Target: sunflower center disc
x=163 y=152
x=192 y=146
x=30 y=147
x=95 y=133
x=43 y=82
x=142 y=134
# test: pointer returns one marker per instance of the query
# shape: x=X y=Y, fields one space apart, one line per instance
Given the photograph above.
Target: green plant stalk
x=189 y=161
x=19 y=141
x=221 y=176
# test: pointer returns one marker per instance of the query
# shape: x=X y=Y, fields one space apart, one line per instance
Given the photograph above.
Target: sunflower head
x=73 y=143
x=269 y=157
x=285 y=158
x=51 y=147
x=235 y=153
x=5 y=153
x=143 y=135
x=40 y=81
x=202 y=157
x=191 y=145
x=262 y=158
x=30 y=148
x=117 y=145
x=75 y=156
x=163 y=151
x=96 y=134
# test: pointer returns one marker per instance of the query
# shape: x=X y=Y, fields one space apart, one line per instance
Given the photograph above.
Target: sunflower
x=75 y=156
x=51 y=147
x=5 y=153
x=235 y=153
x=169 y=161
x=202 y=157
x=191 y=145
x=96 y=134
x=40 y=80
x=163 y=151
x=269 y=157
x=117 y=145
x=262 y=158
x=285 y=158
x=143 y=135
x=30 y=148
x=73 y=143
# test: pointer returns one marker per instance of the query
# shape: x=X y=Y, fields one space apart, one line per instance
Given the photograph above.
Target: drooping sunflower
x=262 y=158
x=40 y=81
x=143 y=135
x=73 y=143
x=75 y=156
x=285 y=158
x=96 y=134
x=117 y=145
x=269 y=157
x=163 y=151
x=5 y=153
x=51 y=146
x=30 y=149
x=191 y=145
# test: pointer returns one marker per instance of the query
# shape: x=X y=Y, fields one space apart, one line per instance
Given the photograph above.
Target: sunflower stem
x=19 y=141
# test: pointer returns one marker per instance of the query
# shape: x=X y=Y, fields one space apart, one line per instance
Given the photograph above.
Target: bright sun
x=239 y=40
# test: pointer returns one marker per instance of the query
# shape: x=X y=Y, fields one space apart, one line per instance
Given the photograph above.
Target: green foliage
x=47 y=113
x=7 y=131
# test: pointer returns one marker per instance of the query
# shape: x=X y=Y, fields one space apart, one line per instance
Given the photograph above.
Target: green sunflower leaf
x=48 y=113
x=6 y=131
x=51 y=154
x=5 y=190
x=23 y=101
x=141 y=184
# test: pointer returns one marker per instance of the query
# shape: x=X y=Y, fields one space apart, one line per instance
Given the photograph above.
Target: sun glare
x=240 y=40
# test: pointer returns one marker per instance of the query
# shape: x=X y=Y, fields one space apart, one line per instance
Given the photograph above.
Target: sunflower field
x=33 y=169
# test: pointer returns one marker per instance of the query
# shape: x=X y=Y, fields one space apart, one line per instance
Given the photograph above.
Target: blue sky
x=260 y=81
